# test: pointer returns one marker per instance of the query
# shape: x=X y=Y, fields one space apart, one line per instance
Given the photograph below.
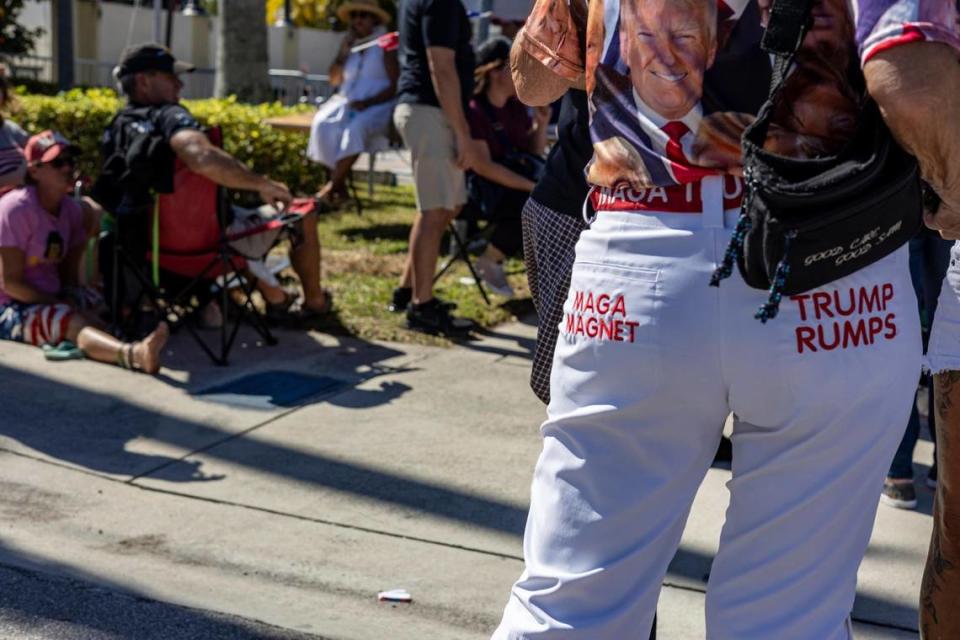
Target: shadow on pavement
x=82 y=605
x=93 y=431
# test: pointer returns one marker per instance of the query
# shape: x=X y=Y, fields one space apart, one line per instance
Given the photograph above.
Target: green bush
x=82 y=116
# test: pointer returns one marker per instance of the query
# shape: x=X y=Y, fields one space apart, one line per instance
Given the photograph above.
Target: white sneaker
x=491 y=272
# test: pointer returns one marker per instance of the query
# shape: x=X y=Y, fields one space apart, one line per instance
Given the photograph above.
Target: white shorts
x=943 y=351
x=649 y=363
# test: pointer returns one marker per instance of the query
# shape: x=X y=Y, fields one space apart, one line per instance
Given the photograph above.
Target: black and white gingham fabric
x=549 y=240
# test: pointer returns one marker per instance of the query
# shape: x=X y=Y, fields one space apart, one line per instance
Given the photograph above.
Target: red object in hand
x=389 y=41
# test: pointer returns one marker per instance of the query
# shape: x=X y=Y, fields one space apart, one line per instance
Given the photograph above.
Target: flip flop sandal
x=304 y=316
x=306 y=313
x=62 y=352
x=281 y=310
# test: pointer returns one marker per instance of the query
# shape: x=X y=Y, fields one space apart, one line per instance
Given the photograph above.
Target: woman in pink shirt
x=42 y=239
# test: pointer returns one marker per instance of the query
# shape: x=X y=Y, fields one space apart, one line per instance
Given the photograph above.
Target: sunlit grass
x=363 y=257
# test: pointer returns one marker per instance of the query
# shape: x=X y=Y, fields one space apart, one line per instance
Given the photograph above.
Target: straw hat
x=367 y=6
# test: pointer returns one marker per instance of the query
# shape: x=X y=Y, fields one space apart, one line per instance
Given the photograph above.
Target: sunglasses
x=60 y=163
x=360 y=14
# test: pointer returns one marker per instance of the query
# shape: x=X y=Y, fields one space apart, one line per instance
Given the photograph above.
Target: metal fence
x=289 y=86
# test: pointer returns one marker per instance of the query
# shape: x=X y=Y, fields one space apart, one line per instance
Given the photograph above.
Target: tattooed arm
x=940 y=589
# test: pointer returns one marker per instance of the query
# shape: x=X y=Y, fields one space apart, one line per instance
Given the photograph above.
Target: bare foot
x=146 y=353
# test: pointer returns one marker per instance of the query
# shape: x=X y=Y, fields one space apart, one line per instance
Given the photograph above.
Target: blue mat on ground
x=271 y=389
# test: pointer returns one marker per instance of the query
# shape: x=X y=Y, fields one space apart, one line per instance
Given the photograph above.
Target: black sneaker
x=434 y=317
x=402 y=297
x=900 y=495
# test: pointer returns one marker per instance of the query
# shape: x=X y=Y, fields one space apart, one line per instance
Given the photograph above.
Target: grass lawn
x=363 y=256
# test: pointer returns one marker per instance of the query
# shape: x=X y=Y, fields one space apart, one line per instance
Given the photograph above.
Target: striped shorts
x=35 y=324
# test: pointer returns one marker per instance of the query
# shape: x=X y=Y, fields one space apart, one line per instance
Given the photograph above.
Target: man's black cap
x=151 y=57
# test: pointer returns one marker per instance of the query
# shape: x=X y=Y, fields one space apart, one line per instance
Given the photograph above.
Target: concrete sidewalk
x=213 y=503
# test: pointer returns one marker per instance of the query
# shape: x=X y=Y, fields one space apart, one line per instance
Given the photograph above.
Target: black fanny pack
x=808 y=222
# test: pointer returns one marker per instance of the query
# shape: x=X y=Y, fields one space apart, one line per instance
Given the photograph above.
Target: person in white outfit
x=650 y=360
x=356 y=119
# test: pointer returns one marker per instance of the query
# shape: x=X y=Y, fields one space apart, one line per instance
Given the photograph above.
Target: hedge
x=83 y=114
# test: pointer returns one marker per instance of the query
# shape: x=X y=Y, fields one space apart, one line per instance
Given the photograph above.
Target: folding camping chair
x=460 y=246
x=194 y=263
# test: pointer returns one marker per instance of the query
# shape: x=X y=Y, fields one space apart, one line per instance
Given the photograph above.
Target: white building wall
x=310 y=50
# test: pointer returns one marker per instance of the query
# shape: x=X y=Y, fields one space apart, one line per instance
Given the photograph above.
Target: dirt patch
x=24 y=502
x=363 y=262
x=150 y=543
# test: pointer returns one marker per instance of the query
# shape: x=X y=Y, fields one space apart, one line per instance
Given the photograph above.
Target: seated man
x=511 y=147
x=154 y=129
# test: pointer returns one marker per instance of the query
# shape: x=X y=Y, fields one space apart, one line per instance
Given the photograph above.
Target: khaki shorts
x=424 y=129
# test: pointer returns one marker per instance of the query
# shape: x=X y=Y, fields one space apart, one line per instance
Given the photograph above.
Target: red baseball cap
x=47 y=146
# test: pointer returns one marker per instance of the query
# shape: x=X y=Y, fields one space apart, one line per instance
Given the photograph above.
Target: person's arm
x=917 y=87
x=197 y=152
x=446 y=84
x=537 y=137
x=84 y=223
x=12 y=262
x=487 y=168
x=392 y=66
x=70 y=266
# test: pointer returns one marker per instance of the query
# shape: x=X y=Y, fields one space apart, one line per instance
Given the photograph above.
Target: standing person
x=140 y=148
x=436 y=82
x=916 y=85
x=929 y=258
x=552 y=222
x=357 y=117
x=42 y=240
x=650 y=360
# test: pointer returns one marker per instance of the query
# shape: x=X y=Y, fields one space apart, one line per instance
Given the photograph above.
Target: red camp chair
x=195 y=262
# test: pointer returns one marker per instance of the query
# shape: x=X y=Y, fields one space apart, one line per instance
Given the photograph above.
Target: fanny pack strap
x=786 y=29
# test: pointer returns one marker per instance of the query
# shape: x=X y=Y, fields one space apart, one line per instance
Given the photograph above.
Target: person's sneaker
x=403 y=295
x=491 y=272
x=434 y=317
x=931 y=480
x=900 y=495
x=400 y=299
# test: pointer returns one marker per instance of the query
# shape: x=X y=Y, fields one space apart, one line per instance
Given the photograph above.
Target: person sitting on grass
x=42 y=240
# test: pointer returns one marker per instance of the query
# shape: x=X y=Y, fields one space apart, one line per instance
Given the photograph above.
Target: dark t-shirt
x=432 y=23
x=563 y=187
x=152 y=128
x=505 y=129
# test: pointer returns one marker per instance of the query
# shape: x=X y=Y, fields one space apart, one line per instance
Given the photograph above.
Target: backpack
x=137 y=160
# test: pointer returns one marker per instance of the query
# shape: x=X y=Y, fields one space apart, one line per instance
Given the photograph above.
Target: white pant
x=943 y=351
x=649 y=363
